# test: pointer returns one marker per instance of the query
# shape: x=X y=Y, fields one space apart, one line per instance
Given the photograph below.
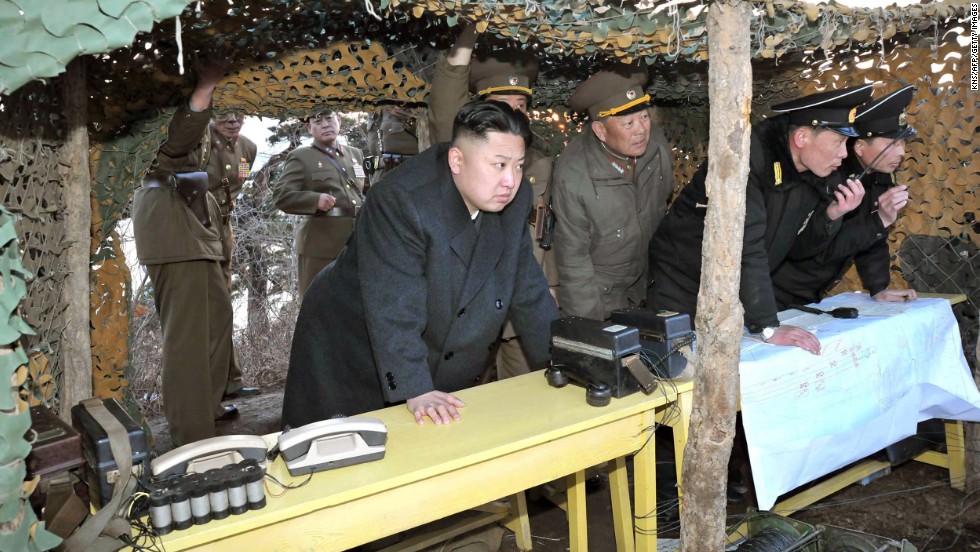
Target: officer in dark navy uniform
x=793 y=165
x=876 y=154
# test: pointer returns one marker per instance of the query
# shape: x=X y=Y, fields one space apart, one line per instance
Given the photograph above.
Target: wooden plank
x=830 y=486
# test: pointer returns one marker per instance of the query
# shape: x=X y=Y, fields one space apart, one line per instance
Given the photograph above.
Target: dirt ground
x=914 y=502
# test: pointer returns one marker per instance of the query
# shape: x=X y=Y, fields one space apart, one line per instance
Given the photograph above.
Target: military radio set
x=635 y=351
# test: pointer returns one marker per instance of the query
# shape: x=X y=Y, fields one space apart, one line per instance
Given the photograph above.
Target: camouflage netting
x=31 y=175
x=41 y=37
x=288 y=58
x=19 y=526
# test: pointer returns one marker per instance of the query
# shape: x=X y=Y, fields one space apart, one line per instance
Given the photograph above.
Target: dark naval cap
x=503 y=72
x=834 y=109
x=607 y=93
x=886 y=117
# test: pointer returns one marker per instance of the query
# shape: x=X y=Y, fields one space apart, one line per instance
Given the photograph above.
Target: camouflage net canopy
x=287 y=59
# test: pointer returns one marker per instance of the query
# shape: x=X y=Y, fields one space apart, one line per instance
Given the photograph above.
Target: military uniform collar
x=775 y=166
x=336 y=151
x=598 y=158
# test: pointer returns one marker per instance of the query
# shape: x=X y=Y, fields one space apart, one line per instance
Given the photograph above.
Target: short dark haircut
x=475 y=119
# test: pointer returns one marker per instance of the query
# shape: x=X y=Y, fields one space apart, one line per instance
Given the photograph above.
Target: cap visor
x=848 y=131
x=633 y=109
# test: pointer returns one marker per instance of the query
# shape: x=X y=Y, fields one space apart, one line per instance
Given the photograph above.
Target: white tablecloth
x=877 y=376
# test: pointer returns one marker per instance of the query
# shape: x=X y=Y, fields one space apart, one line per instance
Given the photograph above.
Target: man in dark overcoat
x=876 y=153
x=793 y=161
x=440 y=257
x=506 y=76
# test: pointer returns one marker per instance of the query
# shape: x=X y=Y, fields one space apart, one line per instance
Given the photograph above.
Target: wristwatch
x=768 y=332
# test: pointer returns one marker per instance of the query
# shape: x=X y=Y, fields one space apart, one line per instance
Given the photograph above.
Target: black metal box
x=591 y=351
x=101 y=471
x=661 y=334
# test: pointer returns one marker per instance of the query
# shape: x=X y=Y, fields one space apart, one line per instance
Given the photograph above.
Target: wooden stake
x=76 y=343
x=720 y=313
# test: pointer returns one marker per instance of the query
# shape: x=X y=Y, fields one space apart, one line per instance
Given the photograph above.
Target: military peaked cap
x=607 y=93
x=886 y=117
x=834 y=109
x=318 y=110
x=503 y=72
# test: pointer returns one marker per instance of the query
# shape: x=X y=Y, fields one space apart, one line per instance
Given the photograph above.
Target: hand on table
x=795 y=337
x=895 y=295
x=438 y=406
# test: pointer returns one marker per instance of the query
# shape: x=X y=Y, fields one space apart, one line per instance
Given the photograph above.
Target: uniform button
x=389 y=377
x=878 y=235
x=499 y=304
x=227 y=167
x=460 y=313
x=448 y=356
x=348 y=185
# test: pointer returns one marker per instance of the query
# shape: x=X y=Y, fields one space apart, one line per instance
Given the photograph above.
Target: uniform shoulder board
x=777 y=172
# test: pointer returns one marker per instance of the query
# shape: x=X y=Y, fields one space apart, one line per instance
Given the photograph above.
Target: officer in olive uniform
x=792 y=179
x=879 y=149
x=610 y=191
x=504 y=76
x=392 y=140
x=178 y=229
x=324 y=182
x=228 y=166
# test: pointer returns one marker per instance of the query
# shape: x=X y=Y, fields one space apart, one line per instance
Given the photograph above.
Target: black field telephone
x=599 y=355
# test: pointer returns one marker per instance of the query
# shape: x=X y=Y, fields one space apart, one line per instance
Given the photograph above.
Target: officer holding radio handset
x=794 y=198
x=874 y=155
x=439 y=259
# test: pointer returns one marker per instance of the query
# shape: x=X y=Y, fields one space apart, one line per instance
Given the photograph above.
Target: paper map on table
x=875 y=379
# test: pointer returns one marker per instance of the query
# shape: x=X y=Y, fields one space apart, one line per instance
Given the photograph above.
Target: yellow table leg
x=518 y=522
x=956 y=453
x=578 y=536
x=680 y=422
x=645 y=495
x=619 y=493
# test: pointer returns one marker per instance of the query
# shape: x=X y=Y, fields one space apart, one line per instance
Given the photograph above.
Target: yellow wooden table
x=513 y=435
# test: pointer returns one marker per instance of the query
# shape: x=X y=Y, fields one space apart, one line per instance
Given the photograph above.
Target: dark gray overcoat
x=416 y=300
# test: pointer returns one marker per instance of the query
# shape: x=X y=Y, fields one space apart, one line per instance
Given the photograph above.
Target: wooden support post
x=720 y=314
x=76 y=344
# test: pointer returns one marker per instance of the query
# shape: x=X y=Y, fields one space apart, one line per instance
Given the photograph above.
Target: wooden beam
x=720 y=314
x=76 y=343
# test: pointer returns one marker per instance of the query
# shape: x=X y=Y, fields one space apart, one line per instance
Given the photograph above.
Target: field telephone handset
x=332 y=444
x=216 y=452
